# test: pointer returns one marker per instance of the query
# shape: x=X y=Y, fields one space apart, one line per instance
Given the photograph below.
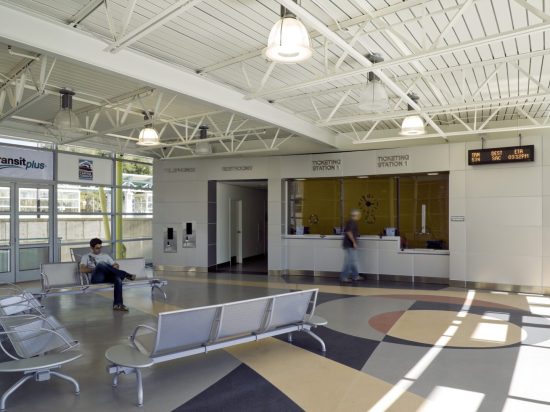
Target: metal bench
x=35 y=343
x=65 y=278
x=193 y=331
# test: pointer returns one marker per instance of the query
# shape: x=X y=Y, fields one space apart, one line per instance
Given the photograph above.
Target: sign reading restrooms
x=26 y=163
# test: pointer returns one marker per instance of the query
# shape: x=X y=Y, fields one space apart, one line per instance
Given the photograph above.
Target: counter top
x=339 y=237
x=424 y=252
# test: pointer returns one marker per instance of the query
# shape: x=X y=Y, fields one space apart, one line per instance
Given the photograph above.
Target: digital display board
x=512 y=154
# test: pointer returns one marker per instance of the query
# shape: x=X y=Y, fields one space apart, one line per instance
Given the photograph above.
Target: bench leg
x=140 y=387
x=289 y=338
x=11 y=390
x=153 y=287
x=317 y=338
x=68 y=378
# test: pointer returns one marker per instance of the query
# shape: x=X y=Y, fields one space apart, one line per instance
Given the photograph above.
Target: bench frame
x=39 y=366
x=85 y=285
x=310 y=322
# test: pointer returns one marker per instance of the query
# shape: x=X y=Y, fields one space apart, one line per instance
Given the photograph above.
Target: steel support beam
x=333 y=37
x=429 y=73
x=386 y=11
x=159 y=20
x=32 y=32
x=433 y=110
x=407 y=59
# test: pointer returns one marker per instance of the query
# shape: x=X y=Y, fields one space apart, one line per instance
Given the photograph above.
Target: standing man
x=105 y=270
x=351 y=234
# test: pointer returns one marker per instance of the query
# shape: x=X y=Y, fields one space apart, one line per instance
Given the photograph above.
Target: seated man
x=105 y=270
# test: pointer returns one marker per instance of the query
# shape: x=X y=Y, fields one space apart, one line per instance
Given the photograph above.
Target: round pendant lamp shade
x=66 y=120
x=288 y=42
x=374 y=98
x=148 y=137
x=203 y=148
x=412 y=126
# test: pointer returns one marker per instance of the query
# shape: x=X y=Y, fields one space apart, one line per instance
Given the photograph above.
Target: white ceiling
x=479 y=67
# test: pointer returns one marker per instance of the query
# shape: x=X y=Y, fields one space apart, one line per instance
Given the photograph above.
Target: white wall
x=501 y=240
x=254 y=203
x=504 y=238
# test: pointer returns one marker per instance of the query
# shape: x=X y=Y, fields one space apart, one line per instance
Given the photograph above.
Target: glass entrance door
x=33 y=230
x=7 y=270
x=25 y=230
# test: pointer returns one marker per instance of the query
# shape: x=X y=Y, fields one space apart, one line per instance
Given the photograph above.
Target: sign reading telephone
x=512 y=154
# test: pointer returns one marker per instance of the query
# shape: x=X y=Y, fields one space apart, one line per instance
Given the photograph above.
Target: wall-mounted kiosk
x=189 y=235
x=170 y=240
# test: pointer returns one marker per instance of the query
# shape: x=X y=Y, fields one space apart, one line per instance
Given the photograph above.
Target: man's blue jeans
x=351 y=264
x=104 y=273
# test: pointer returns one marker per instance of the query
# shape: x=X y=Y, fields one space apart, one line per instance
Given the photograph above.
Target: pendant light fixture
x=65 y=120
x=375 y=96
x=412 y=125
x=148 y=135
x=288 y=40
x=203 y=148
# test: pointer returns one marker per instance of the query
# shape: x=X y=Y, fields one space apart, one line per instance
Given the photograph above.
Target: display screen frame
x=497 y=155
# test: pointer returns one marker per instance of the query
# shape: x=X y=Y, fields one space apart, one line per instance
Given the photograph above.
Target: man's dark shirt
x=353 y=227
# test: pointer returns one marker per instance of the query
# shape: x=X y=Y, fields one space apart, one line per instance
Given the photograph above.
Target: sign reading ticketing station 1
x=512 y=154
x=26 y=163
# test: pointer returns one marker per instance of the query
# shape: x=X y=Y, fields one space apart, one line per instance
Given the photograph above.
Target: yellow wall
x=315 y=204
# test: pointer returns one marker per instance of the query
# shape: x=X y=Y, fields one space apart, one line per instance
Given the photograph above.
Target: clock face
x=313 y=219
x=369 y=206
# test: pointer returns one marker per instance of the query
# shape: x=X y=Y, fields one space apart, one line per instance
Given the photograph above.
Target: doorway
x=241 y=227
x=26 y=236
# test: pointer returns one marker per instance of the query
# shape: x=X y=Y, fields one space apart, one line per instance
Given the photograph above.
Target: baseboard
x=501 y=287
x=170 y=268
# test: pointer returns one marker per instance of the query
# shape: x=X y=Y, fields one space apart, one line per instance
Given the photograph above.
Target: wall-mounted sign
x=511 y=154
x=26 y=163
x=457 y=218
x=326 y=165
x=383 y=162
x=85 y=169
x=180 y=170
x=236 y=168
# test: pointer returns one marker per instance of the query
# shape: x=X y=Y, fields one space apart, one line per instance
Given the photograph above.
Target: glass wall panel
x=81 y=228
x=138 y=248
x=315 y=206
x=137 y=226
x=376 y=198
x=5 y=198
x=5 y=227
x=83 y=199
x=416 y=205
x=5 y=264
x=424 y=199
x=32 y=258
x=33 y=199
x=33 y=229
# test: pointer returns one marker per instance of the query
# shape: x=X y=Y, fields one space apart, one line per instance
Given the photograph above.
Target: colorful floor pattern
x=389 y=348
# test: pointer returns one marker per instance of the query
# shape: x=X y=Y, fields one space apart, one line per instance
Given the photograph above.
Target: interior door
x=33 y=238
x=239 y=228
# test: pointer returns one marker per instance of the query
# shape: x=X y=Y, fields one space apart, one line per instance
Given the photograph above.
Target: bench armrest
x=45 y=282
x=134 y=334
